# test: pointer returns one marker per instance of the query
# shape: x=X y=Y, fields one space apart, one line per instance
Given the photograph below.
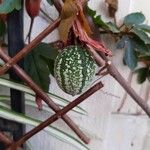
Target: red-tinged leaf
x=79 y=32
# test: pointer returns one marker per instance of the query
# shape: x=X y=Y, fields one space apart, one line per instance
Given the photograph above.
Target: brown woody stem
x=21 y=73
x=115 y=74
x=4 y=139
x=29 y=47
x=57 y=5
x=58 y=115
x=7 y=141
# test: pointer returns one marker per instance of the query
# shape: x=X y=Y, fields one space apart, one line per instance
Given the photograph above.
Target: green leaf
x=29 y=146
x=142 y=74
x=8 y=6
x=37 y=67
x=113 y=27
x=130 y=57
x=90 y=12
x=57 y=99
x=134 y=19
x=140 y=46
x=5 y=99
x=61 y=135
x=50 y=64
x=144 y=27
x=96 y=19
x=100 y=23
x=30 y=101
x=2 y=28
x=121 y=42
x=142 y=35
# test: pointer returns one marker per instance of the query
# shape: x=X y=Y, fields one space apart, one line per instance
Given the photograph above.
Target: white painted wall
x=107 y=131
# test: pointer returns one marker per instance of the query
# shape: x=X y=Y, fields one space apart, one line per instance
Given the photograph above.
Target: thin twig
x=127 y=114
x=116 y=75
x=57 y=5
x=20 y=72
x=129 y=80
x=46 y=15
x=58 y=115
x=29 y=47
x=30 y=31
x=146 y=95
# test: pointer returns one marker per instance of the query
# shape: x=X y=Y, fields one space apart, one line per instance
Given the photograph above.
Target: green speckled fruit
x=74 y=69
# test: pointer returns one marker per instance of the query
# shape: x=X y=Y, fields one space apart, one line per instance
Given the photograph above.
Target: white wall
x=107 y=131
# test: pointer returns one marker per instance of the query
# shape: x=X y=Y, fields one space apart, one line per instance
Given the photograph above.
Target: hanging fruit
x=33 y=7
x=33 y=10
x=74 y=69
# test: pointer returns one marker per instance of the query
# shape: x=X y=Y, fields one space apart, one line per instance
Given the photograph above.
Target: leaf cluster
x=133 y=37
x=39 y=64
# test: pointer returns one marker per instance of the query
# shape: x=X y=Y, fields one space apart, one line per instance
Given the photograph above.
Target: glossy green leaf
x=142 y=74
x=144 y=27
x=61 y=135
x=8 y=6
x=90 y=12
x=37 y=67
x=96 y=19
x=142 y=35
x=100 y=23
x=130 y=57
x=57 y=99
x=134 y=19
